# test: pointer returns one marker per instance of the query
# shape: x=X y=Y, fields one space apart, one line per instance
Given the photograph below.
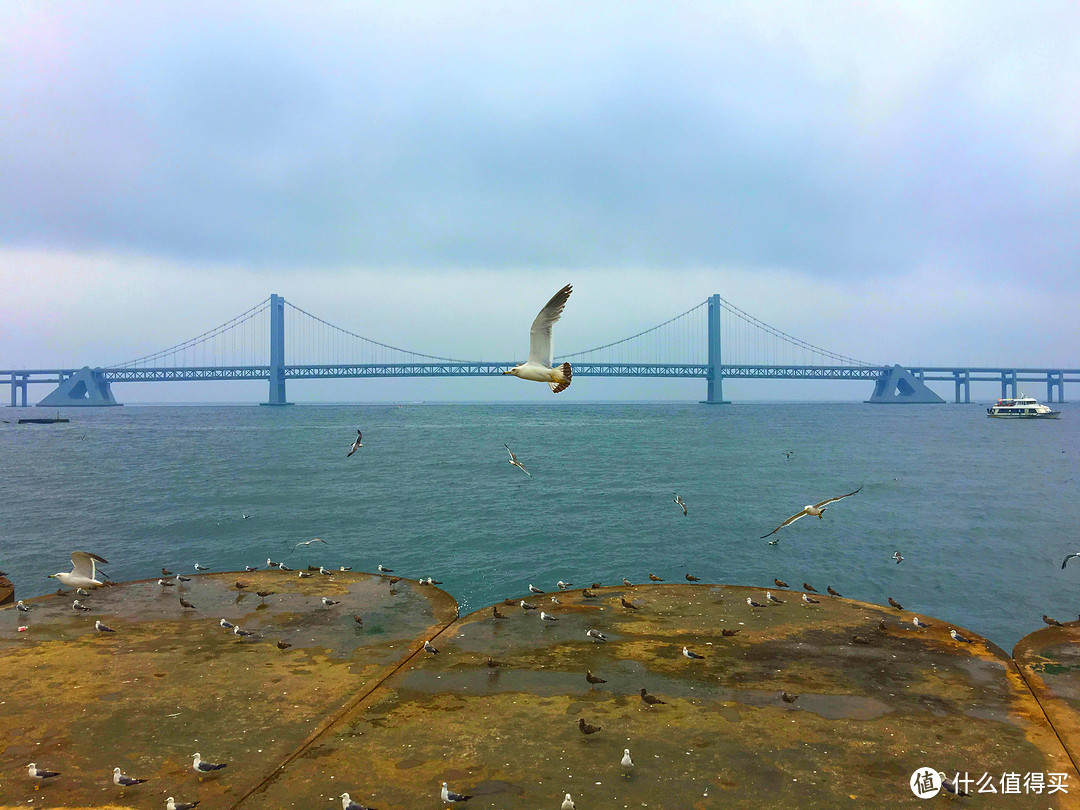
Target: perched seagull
x=691 y=578
x=814 y=510
x=495 y=613
x=899 y=558
x=1051 y=622
x=21 y=607
x=428 y=648
x=547 y=617
x=726 y=632
x=587 y=593
x=237 y=631
x=165 y=572
x=780 y=583
x=650 y=700
x=895 y=604
x=951 y=787
x=568 y=803
x=173 y=804
x=810 y=600
x=555 y=601
x=788 y=698
x=309 y=542
x=810 y=588
x=832 y=591
x=534 y=589
x=957 y=637
x=124 y=781
x=180 y=578
x=628 y=605
x=283 y=645
x=326 y=573
x=564 y=585
x=77 y=605
x=538 y=366
x=283 y=567
x=271 y=564
x=690 y=653
x=184 y=603
x=655 y=578
x=752 y=603
x=627 y=763
x=680 y=502
x=596 y=635
x=526 y=606
x=384 y=570
x=302 y=575
x=356 y=444
x=226 y=624
x=587 y=728
x=82 y=592
x=449 y=795
x=346 y=801
x=859 y=640
x=627 y=583
x=329 y=602
x=919 y=623
x=199 y=766
x=773 y=599
x=164 y=583
x=201 y=567
x=593 y=679
x=40 y=775
x=344 y=568
x=83 y=571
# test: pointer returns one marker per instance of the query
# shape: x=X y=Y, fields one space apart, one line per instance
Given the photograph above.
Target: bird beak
x=51 y=576
x=506 y=372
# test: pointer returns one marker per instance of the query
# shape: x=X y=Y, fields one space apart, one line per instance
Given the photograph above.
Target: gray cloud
x=832 y=139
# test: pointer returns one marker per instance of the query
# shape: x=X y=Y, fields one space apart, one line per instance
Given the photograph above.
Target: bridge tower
x=277 y=351
x=715 y=391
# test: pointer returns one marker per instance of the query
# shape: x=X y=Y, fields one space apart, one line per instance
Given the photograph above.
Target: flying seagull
x=514 y=460
x=309 y=542
x=173 y=804
x=899 y=558
x=680 y=502
x=449 y=796
x=83 y=571
x=814 y=510
x=538 y=366
x=124 y=781
x=199 y=766
x=356 y=444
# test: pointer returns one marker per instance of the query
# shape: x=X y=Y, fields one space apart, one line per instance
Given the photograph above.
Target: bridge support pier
x=963 y=380
x=277 y=352
x=714 y=393
x=87 y=388
x=1008 y=381
x=1055 y=379
x=18 y=391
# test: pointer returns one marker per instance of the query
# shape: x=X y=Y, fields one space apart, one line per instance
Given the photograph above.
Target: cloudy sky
x=894 y=181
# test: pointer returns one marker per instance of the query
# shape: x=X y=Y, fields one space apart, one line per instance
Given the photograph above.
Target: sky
x=897 y=182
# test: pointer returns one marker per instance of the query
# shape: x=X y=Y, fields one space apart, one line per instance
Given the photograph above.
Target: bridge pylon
x=714 y=394
x=277 y=352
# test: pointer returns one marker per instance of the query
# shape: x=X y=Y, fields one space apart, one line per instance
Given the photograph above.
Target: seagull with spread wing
x=83 y=572
x=1063 y=562
x=680 y=502
x=514 y=460
x=538 y=367
x=355 y=445
x=814 y=510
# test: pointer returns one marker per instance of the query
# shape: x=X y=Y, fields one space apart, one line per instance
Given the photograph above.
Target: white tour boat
x=1021 y=407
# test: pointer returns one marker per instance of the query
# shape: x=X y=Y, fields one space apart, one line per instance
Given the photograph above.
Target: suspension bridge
x=278 y=341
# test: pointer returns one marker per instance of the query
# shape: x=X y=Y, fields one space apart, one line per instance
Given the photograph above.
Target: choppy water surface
x=983 y=510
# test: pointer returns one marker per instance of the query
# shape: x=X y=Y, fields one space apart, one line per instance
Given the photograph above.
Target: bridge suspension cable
x=240 y=338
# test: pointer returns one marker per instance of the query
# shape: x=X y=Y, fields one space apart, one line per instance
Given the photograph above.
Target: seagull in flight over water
x=680 y=502
x=1077 y=554
x=355 y=445
x=538 y=367
x=83 y=572
x=815 y=510
x=515 y=462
